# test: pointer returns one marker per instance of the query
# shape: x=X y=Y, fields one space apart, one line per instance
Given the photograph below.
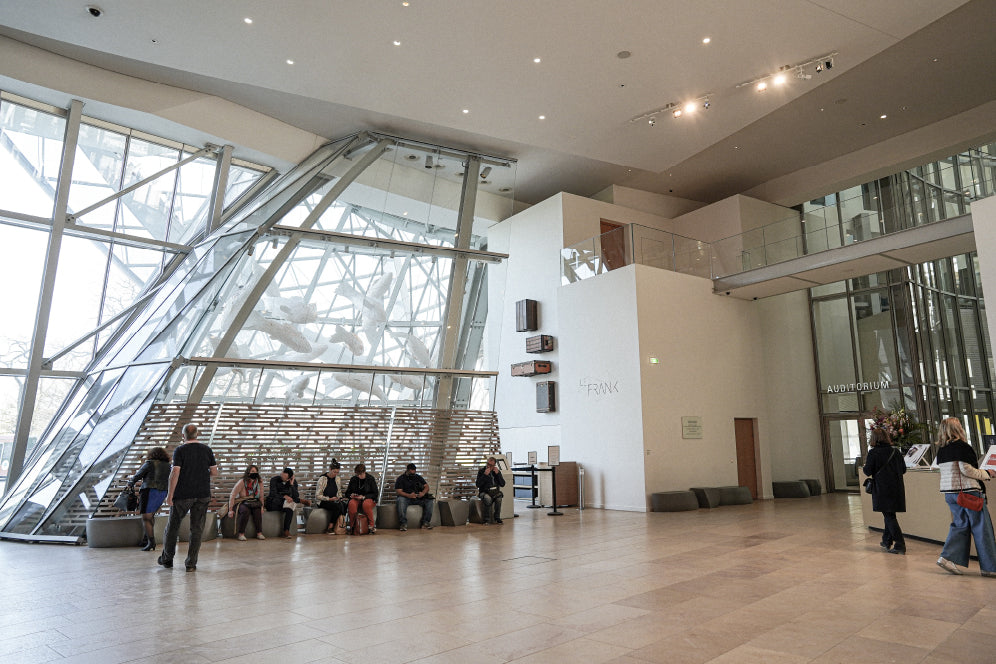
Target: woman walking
x=154 y=475
x=886 y=467
x=960 y=476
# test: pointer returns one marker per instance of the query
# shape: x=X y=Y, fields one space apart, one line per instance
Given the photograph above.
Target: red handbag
x=970 y=501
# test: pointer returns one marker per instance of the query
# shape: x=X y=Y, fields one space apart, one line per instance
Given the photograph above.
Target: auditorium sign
x=854 y=387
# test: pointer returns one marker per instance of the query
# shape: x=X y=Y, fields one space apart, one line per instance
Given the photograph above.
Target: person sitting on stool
x=327 y=494
x=412 y=489
x=362 y=494
x=489 y=484
x=284 y=496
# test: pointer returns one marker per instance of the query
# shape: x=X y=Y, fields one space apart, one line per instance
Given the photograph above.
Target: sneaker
x=242 y=537
x=948 y=566
x=286 y=534
x=499 y=521
x=427 y=526
x=373 y=530
x=403 y=528
x=165 y=563
x=191 y=568
x=898 y=552
x=988 y=573
x=260 y=536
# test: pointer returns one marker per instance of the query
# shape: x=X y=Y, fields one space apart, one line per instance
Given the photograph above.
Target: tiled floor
x=786 y=581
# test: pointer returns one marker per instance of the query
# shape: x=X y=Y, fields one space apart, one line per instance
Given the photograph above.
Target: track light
x=252 y=248
x=761 y=86
x=706 y=104
x=819 y=67
x=676 y=112
x=828 y=64
x=428 y=161
x=485 y=172
x=652 y=121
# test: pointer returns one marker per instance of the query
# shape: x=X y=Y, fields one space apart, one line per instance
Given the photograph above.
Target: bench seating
x=673 y=501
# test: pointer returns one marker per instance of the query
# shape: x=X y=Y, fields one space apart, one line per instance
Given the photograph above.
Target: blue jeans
x=966 y=525
x=403 y=504
x=198 y=514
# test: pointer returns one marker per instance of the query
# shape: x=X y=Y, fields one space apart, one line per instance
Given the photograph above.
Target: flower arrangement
x=901 y=426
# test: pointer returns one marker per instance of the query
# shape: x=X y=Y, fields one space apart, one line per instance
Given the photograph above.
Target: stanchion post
x=533 y=487
x=555 y=511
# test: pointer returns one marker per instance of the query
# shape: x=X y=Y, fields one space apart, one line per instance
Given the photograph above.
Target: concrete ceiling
x=918 y=62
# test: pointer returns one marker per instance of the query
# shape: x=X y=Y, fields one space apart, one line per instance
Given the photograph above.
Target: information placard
x=553 y=455
x=914 y=456
x=989 y=461
x=531 y=458
x=691 y=426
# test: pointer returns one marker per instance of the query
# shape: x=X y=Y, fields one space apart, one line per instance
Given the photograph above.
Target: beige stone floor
x=778 y=581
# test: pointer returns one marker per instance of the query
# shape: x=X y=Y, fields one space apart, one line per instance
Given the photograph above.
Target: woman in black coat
x=885 y=465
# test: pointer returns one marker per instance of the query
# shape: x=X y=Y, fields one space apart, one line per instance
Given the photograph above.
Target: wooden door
x=745 y=429
x=613 y=242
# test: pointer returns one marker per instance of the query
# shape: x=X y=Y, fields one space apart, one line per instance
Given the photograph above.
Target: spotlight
x=275 y=243
x=819 y=67
x=652 y=121
x=485 y=172
x=428 y=161
x=690 y=107
x=779 y=80
x=252 y=248
x=706 y=104
x=676 y=112
x=828 y=64
x=761 y=87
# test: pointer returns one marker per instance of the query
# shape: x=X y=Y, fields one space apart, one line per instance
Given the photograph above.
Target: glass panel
x=240 y=179
x=51 y=393
x=840 y=403
x=21 y=303
x=495 y=196
x=953 y=346
x=145 y=212
x=845 y=450
x=875 y=337
x=30 y=158
x=79 y=284
x=194 y=184
x=834 y=348
x=828 y=289
x=974 y=350
x=97 y=174
x=10 y=400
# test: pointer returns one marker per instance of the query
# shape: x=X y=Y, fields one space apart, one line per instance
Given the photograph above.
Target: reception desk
x=927 y=515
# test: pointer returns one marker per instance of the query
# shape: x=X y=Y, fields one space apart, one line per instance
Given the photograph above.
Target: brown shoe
x=286 y=534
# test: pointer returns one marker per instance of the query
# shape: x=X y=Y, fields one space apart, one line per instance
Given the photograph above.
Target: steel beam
x=221 y=171
x=36 y=358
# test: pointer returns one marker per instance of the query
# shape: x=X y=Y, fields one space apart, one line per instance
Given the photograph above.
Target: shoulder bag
x=870 y=482
x=970 y=501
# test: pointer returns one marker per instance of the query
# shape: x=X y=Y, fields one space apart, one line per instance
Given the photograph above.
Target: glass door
x=847 y=440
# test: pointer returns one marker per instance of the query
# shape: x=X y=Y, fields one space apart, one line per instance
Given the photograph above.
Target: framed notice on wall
x=532 y=458
x=553 y=455
x=914 y=456
x=691 y=426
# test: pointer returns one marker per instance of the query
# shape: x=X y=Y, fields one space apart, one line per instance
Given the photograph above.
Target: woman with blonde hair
x=886 y=467
x=960 y=475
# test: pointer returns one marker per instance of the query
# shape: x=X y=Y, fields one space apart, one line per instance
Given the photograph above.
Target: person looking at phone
x=412 y=489
x=489 y=484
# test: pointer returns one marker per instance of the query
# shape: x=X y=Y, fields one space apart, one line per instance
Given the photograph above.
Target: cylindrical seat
x=735 y=495
x=114 y=531
x=815 y=488
x=797 y=489
x=673 y=501
x=706 y=495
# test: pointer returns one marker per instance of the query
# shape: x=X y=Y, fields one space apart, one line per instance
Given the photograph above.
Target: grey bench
x=735 y=495
x=707 y=496
x=114 y=532
x=797 y=489
x=453 y=512
x=673 y=501
x=815 y=488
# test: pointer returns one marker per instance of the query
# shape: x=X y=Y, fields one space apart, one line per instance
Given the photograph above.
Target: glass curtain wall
x=98 y=277
x=914 y=338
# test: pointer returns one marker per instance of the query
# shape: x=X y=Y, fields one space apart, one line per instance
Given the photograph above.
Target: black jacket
x=279 y=489
x=886 y=466
x=154 y=474
x=367 y=486
x=486 y=482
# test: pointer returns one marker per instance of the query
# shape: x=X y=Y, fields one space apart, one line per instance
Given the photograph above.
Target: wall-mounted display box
x=526 y=316
x=546 y=396
x=541 y=343
x=531 y=368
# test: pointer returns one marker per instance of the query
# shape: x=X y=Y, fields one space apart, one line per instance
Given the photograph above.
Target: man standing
x=489 y=484
x=189 y=492
x=412 y=489
x=327 y=494
x=284 y=496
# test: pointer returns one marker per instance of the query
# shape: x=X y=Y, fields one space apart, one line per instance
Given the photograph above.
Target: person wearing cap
x=284 y=496
x=412 y=489
x=327 y=494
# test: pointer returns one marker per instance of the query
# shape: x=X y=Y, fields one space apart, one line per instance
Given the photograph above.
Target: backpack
x=341 y=526
x=361 y=526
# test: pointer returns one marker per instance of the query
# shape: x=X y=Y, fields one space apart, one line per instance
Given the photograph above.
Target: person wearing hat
x=284 y=496
x=327 y=494
x=412 y=489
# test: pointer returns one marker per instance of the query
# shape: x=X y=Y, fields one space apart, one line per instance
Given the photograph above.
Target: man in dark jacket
x=284 y=496
x=189 y=491
x=489 y=484
x=412 y=489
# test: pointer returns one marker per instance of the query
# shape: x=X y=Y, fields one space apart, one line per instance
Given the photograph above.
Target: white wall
x=794 y=448
x=984 y=217
x=600 y=403
x=661 y=205
x=582 y=216
x=533 y=240
x=711 y=366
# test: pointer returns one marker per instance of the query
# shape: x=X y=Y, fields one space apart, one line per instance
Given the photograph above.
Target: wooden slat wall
x=447 y=446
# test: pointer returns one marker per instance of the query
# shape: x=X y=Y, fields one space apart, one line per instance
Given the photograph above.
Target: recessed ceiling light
x=779 y=80
x=505 y=190
x=405 y=213
x=622 y=55
x=706 y=40
x=883 y=116
x=397 y=43
x=155 y=41
x=537 y=60
x=290 y=62
x=405 y=4
x=466 y=110
x=248 y=21
x=542 y=117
